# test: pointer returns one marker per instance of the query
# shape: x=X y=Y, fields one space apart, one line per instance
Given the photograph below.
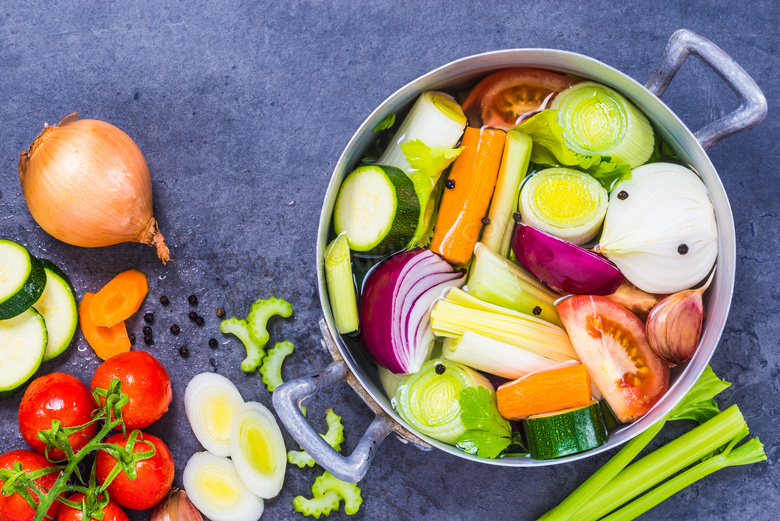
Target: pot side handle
x=753 y=107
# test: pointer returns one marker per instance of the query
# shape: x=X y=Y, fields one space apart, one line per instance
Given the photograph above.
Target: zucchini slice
x=377 y=208
x=22 y=279
x=565 y=432
x=22 y=343
x=59 y=309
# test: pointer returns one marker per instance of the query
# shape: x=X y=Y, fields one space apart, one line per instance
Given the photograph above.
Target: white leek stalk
x=341 y=287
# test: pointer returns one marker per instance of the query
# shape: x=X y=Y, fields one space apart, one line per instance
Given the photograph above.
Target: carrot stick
x=119 y=299
x=105 y=341
x=544 y=392
x=474 y=173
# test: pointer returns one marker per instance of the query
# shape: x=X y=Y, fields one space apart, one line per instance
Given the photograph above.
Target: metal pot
x=353 y=366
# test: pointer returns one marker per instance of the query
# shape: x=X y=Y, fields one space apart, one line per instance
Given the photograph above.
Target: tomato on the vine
x=144 y=380
x=153 y=475
x=111 y=512
x=56 y=396
x=15 y=507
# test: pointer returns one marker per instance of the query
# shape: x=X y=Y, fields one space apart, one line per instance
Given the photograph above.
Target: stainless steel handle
x=753 y=107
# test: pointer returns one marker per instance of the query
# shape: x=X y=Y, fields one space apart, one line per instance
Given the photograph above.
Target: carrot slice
x=105 y=341
x=119 y=299
x=544 y=392
x=463 y=206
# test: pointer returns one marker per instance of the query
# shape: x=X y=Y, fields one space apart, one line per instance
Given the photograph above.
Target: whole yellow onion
x=87 y=184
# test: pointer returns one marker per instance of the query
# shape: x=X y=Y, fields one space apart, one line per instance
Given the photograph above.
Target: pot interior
x=462 y=74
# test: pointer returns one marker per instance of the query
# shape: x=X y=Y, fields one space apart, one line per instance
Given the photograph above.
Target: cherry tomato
x=111 y=512
x=502 y=97
x=611 y=342
x=15 y=507
x=144 y=380
x=56 y=396
x=154 y=475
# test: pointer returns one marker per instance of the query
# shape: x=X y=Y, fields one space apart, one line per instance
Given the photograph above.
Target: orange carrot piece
x=105 y=341
x=544 y=392
x=119 y=299
x=463 y=207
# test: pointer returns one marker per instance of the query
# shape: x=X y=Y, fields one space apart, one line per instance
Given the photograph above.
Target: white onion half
x=258 y=450
x=211 y=401
x=214 y=487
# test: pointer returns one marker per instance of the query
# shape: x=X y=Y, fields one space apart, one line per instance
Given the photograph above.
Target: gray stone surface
x=243 y=108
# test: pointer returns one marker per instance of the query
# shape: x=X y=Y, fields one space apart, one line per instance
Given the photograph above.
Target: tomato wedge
x=611 y=342
x=502 y=97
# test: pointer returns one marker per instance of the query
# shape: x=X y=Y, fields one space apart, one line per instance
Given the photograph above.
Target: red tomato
x=144 y=380
x=111 y=512
x=15 y=507
x=154 y=475
x=502 y=97
x=56 y=396
x=611 y=342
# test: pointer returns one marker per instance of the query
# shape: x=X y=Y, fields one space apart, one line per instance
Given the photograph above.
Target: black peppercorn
x=131 y=337
x=175 y=329
x=682 y=249
x=164 y=300
x=200 y=321
x=220 y=312
x=486 y=221
x=148 y=340
x=517 y=217
x=449 y=183
x=184 y=352
x=440 y=369
x=149 y=318
x=622 y=195
x=193 y=300
x=537 y=311
x=213 y=343
x=192 y=315
x=147 y=330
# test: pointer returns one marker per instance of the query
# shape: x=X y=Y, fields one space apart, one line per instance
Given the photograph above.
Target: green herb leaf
x=429 y=161
x=487 y=433
x=388 y=122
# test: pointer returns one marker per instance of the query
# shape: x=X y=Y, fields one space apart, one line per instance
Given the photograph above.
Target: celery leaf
x=388 y=122
x=427 y=160
x=487 y=434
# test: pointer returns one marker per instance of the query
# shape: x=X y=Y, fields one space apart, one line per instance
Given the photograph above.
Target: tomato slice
x=611 y=342
x=502 y=97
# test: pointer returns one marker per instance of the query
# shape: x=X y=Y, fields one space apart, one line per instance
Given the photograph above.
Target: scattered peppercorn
x=486 y=221
x=537 y=311
x=440 y=369
x=193 y=300
x=450 y=183
x=200 y=321
x=131 y=337
x=192 y=315
x=213 y=343
x=220 y=312
x=175 y=329
x=149 y=318
x=213 y=362
x=622 y=195
x=147 y=330
x=682 y=249
x=148 y=340
x=517 y=217
x=164 y=300
x=184 y=352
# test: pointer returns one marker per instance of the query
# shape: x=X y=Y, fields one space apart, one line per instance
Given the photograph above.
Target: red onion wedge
x=395 y=308
x=564 y=266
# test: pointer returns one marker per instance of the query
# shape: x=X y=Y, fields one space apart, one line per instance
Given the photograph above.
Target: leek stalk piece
x=598 y=120
x=436 y=122
x=514 y=165
x=341 y=286
x=491 y=356
x=459 y=312
x=429 y=400
x=501 y=282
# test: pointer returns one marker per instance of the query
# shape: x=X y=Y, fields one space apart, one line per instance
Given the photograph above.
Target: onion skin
x=87 y=184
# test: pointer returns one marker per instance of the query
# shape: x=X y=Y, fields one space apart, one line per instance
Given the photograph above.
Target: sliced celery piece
x=341 y=286
x=334 y=437
x=272 y=364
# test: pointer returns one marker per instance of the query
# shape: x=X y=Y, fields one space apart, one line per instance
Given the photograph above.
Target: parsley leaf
x=487 y=433
x=388 y=122
x=429 y=161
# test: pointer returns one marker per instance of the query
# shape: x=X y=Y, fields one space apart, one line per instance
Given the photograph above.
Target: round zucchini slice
x=22 y=343
x=59 y=309
x=22 y=279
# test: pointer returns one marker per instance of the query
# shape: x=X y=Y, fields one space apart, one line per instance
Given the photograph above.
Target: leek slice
x=429 y=400
x=258 y=450
x=214 y=487
x=437 y=121
x=341 y=286
x=211 y=402
x=564 y=202
x=491 y=356
x=598 y=120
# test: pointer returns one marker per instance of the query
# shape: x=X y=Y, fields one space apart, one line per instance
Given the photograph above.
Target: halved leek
x=341 y=286
x=499 y=281
x=598 y=120
x=459 y=312
x=564 y=202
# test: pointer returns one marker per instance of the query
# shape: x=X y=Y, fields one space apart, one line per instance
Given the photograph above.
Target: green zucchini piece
x=22 y=279
x=58 y=306
x=23 y=341
x=565 y=432
x=377 y=208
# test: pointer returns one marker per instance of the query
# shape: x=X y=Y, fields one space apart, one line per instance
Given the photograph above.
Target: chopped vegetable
x=211 y=402
x=349 y=492
x=105 y=341
x=334 y=437
x=253 y=331
x=318 y=505
x=544 y=392
x=341 y=285
x=487 y=434
x=22 y=279
x=257 y=449
x=386 y=123
x=499 y=281
x=58 y=306
x=497 y=235
x=459 y=312
x=272 y=364
x=663 y=235
x=475 y=171
x=215 y=488
x=254 y=351
x=119 y=299
x=634 y=299
x=23 y=340
x=562 y=433
x=564 y=202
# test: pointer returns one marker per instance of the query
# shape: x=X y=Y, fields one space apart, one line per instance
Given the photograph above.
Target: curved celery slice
x=334 y=437
x=272 y=364
x=254 y=351
x=318 y=505
x=341 y=286
x=349 y=492
x=261 y=312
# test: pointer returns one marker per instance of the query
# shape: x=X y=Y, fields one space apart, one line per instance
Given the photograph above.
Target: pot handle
x=753 y=107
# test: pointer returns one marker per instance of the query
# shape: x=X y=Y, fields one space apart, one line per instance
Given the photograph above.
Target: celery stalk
x=514 y=166
x=341 y=287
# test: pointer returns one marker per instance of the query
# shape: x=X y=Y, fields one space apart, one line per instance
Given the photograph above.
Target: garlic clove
x=634 y=299
x=176 y=506
x=674 y=326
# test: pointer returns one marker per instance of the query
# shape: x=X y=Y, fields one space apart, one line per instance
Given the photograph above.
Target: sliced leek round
x=215 y=488
x=564 y=202
x=598 y=120
x=258 y=450
x=211 y=401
